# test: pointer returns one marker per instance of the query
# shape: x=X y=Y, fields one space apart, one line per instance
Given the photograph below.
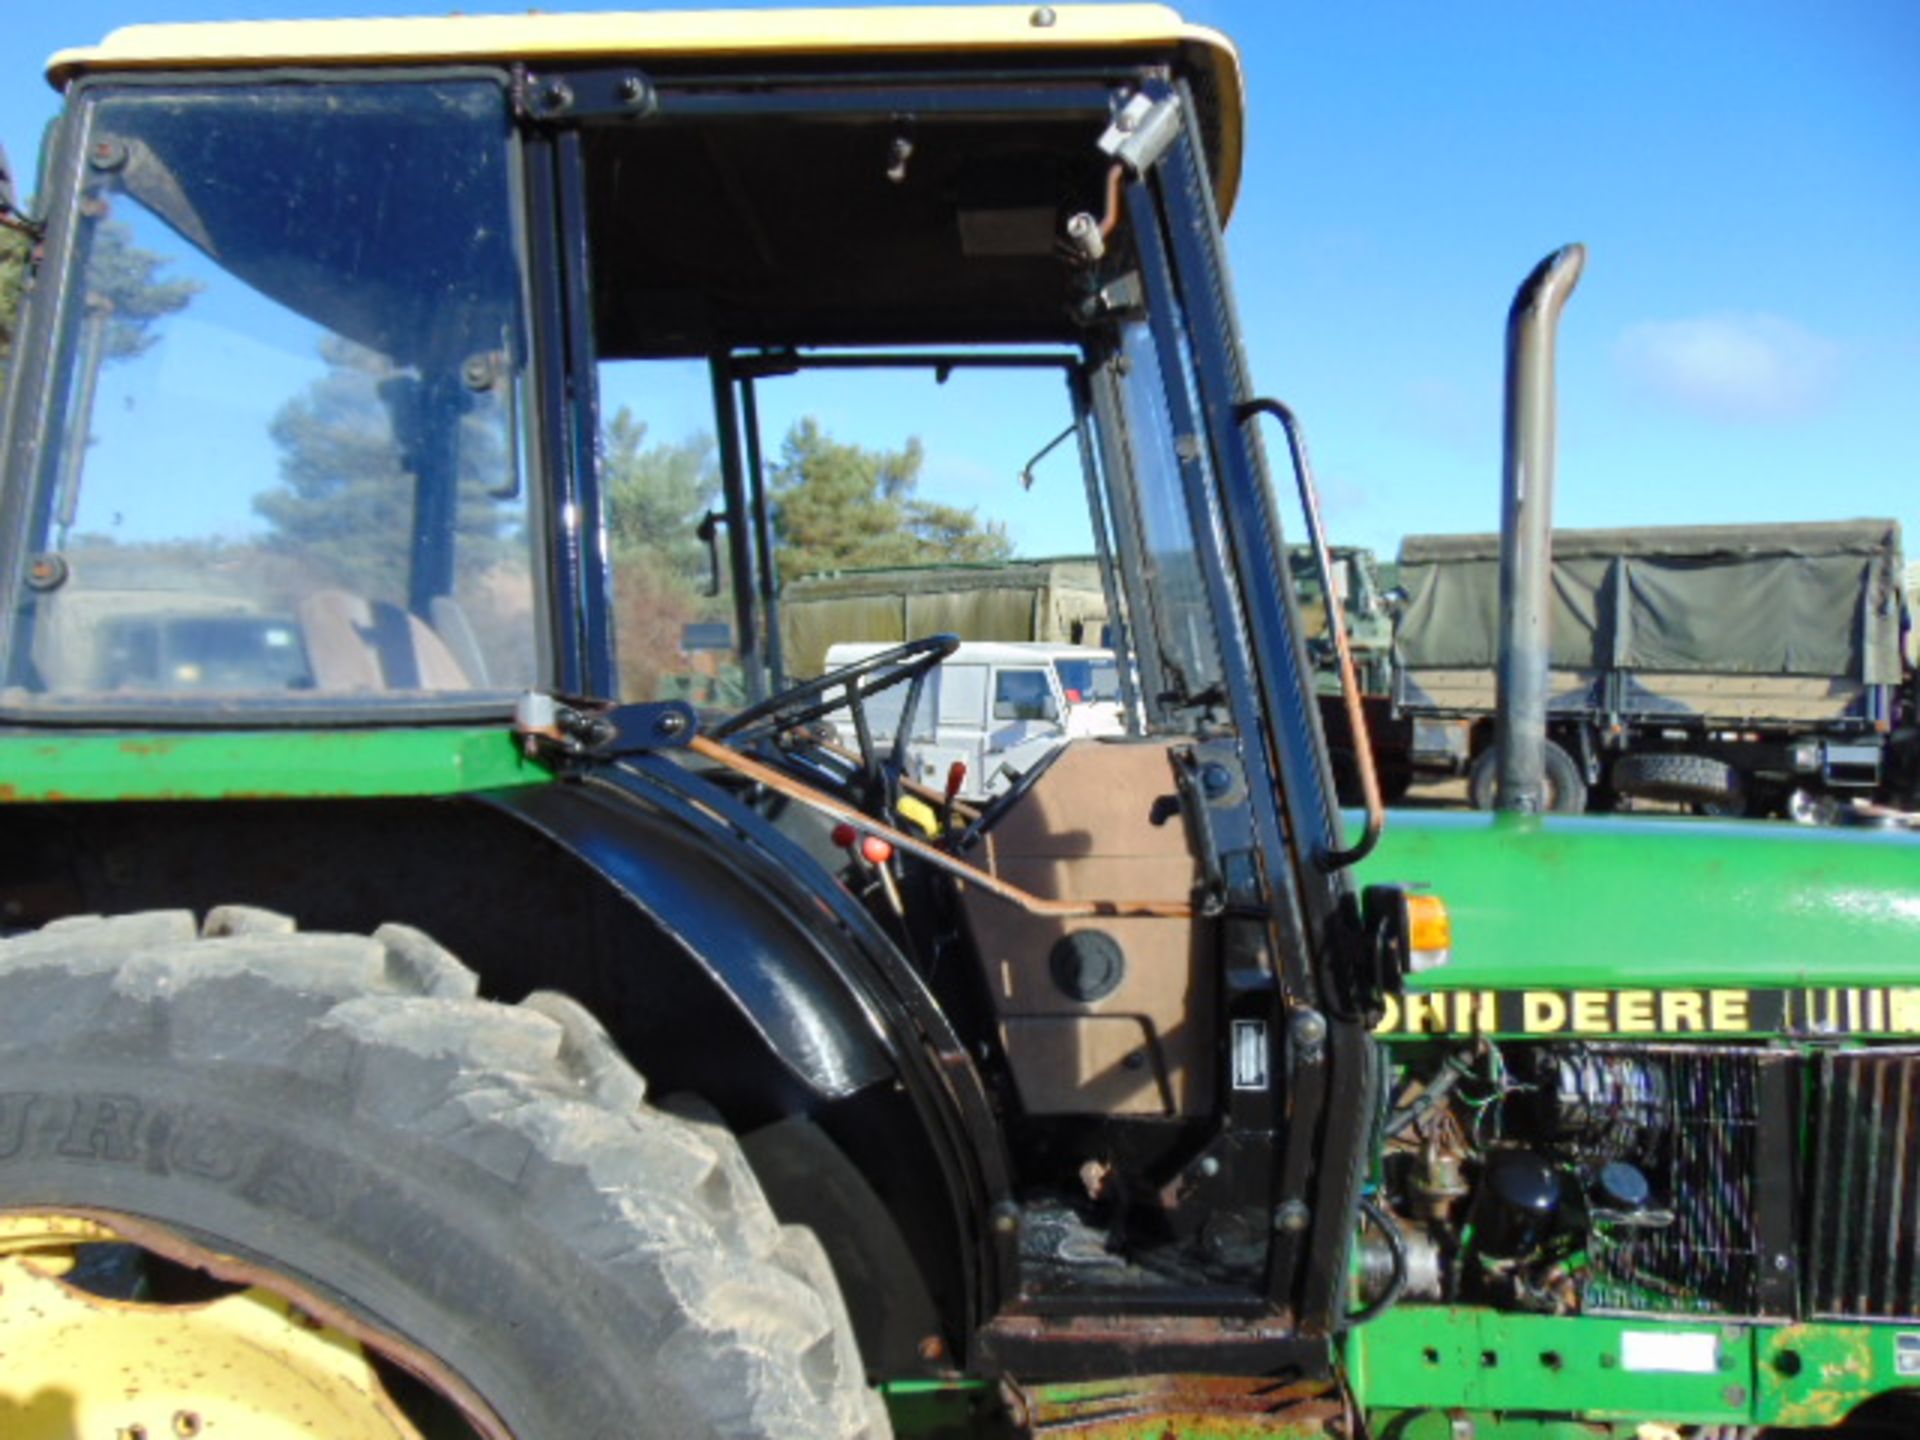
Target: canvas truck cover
x=1055 y=600
x=1817 y=602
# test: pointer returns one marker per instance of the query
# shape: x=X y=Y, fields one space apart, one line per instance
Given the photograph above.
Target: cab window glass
x=963 y=695
x=1022 y=695
x=285 y=460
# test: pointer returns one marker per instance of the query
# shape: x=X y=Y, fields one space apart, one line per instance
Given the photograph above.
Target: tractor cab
x=444 y=374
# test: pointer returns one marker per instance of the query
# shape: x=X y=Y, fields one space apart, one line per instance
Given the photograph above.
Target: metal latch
x=1142 y=132
x=594 y=728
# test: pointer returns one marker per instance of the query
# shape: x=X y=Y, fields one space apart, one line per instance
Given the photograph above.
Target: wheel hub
x=250 y=1362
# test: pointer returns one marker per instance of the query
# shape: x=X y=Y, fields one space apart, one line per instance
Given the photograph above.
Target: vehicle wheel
x=476 y=1193
x=1805 y=806
x=1678 y=778
x=1566 y=790
x=1728 y=807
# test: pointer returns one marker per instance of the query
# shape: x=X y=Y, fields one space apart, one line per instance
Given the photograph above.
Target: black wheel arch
x=766 y=1011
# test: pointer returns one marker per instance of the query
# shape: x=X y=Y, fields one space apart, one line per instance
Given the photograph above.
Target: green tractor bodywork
x=1740 y=1000
x=327 y=603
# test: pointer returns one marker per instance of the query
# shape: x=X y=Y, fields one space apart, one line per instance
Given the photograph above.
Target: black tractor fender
x=817 y=979
x=785 y=980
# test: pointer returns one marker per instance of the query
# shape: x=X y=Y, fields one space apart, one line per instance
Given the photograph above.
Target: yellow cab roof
x=971 y=32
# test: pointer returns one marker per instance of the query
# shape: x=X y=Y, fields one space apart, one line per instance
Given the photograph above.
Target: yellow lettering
x=1903 y=1008
x=1633 y=1011
x=1464 y=1002
x=1542 y=1012
x=1390 y=1016
x=1589 y=1012
x=1488 y=1019
x=1681 y=1010
x=1727 y=1010
x=1426 y=1012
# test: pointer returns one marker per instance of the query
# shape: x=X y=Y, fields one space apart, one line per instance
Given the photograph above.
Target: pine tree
x=840 y=506
x=656 y=496
x=345 y=498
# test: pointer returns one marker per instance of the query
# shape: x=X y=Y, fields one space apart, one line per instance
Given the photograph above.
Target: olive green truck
x=1743 y=669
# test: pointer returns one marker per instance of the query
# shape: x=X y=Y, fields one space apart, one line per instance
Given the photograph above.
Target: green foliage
x=126 y=281
x=656 y=495
x=345 y=497
x=14 y=249
x=123 y=282
x=843 y=506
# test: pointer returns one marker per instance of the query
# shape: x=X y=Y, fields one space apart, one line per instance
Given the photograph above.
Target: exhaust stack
x=1526 y=532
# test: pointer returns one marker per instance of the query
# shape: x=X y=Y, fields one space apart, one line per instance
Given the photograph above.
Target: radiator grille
x=1864 y=1187
x=1702 y=1153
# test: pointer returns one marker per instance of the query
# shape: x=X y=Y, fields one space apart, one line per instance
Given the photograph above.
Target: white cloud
x=1731 y=367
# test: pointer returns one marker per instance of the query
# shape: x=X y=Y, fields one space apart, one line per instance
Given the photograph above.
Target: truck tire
x=481 y=1184
x=1566 y=790
x=1680 y=778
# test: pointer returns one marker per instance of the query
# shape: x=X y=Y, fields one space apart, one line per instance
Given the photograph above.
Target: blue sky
x=1746 y=342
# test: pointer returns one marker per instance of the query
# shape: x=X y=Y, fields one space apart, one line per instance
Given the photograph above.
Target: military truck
x=1059 y=1120
x=1063 y=600
x=1744 y=669
x=1368 y=598
x=1056 y=600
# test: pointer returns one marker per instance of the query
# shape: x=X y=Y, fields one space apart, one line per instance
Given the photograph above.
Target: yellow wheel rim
x=252 y=1365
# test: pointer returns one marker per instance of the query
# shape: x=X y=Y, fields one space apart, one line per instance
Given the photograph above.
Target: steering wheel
x=851 y=686
x=1006 y=800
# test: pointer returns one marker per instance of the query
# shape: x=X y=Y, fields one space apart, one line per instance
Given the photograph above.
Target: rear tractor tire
x=476 y=1193
x=1566 y=788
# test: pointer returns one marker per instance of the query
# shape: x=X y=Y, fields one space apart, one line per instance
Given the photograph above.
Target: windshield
x=283 y=462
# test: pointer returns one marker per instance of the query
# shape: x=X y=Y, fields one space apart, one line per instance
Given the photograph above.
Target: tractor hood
x=1568 y=902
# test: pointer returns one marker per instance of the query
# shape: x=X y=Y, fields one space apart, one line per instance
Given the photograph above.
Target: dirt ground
x=1437 y=795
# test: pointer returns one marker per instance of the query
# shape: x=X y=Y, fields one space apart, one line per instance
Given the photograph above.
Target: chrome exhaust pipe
x=1526 y=532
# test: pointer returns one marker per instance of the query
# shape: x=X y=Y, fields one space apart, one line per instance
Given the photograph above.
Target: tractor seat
x=355 y=643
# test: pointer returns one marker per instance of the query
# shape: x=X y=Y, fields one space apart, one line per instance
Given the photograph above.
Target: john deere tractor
x=404 y=430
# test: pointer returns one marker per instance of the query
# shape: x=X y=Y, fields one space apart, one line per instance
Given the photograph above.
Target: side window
x=963 y=696
x=1022 y=695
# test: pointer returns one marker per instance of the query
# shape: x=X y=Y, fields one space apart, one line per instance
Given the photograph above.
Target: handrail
x=1349 y=681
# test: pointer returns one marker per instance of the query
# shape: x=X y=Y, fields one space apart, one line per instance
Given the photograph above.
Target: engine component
x=1425 y=1273
x=1519 y=1198
x=1599 y=1104
x=1438 y=1185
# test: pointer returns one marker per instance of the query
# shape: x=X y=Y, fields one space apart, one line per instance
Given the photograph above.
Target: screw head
x=47 y=572
x=670 y=724
x=1043 y=17
x=1292 y=1217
